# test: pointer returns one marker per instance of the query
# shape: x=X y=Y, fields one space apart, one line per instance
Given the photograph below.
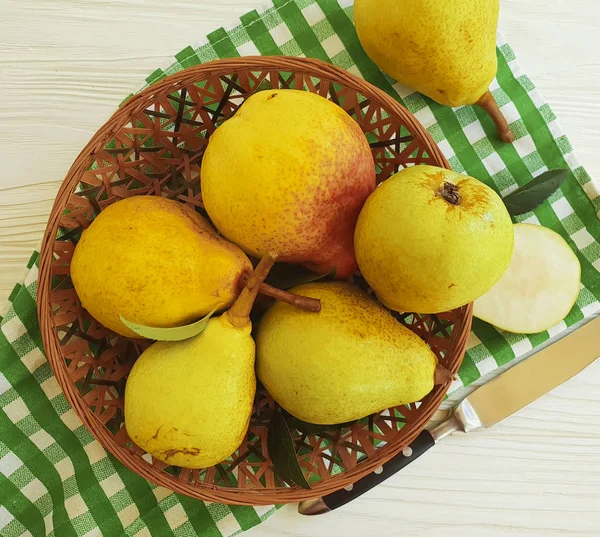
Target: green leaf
x=534 y=193
x=285 y=276
x=313 y=428
x=264 y=85
x=176 y=333
x=282 y=451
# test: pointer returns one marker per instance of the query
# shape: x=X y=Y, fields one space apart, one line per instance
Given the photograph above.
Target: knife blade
x=487 y=405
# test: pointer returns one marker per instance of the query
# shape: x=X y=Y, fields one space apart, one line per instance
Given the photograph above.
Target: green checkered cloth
x=55 y=479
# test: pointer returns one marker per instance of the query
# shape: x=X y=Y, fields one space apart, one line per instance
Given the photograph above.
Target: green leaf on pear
x=282 y=451
x=175 y=333
x=285 y=276
x=534 y=193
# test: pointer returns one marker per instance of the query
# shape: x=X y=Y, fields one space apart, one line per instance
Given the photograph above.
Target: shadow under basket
x=153 y=146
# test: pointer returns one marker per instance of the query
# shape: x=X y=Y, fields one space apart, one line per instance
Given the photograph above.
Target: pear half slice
x=540 y=286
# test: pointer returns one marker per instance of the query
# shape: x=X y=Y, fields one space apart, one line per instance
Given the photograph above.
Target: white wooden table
x=64 y=67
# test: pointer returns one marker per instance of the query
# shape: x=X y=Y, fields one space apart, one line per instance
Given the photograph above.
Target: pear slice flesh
x=540 y=286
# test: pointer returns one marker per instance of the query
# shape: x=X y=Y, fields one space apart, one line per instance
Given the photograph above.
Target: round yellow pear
x=288 y=174
x=430 y=240
x=155 y=262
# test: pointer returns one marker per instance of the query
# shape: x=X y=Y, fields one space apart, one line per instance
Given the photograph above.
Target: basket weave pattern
x=153 y=145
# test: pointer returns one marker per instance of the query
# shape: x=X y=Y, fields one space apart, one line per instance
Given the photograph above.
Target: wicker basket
x=153 y=145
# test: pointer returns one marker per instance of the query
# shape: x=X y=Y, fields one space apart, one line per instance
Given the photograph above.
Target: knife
x=486 y=406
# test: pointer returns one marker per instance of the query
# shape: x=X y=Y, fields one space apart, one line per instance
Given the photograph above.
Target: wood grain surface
x=64 y=67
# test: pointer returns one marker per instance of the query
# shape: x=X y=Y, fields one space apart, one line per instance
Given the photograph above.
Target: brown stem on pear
x=442 y=375
x=450 y=193
x=298 y=301
x=488 y=103
x=239 y=313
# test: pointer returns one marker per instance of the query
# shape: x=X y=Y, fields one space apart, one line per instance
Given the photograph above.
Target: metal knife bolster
x=463 y=418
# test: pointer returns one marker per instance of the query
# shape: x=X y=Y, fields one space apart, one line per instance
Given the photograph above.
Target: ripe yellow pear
x=156 y=262
x=288 y=173
x=188 y=403
x=430 y=240
x=445 y=49
x=347 y=361
x=540 y=286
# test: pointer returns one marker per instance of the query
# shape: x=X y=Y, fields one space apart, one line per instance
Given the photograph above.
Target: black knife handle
x=419 y=446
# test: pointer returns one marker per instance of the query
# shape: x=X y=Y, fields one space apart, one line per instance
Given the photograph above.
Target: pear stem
x=442 y=375
x=239 y=313
x=449 y=192
x=488 y=103
x=303 y=302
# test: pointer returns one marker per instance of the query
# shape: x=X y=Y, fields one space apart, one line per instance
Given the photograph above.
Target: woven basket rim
x=125 y=113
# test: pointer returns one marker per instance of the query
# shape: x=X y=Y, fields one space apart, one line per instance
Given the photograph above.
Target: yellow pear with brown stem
x=188 y=403
x=445 y=49
x=351 y=359
x=155 y=262
x=429 y=240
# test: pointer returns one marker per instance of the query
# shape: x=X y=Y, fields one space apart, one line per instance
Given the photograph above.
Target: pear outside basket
x=153 y=146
